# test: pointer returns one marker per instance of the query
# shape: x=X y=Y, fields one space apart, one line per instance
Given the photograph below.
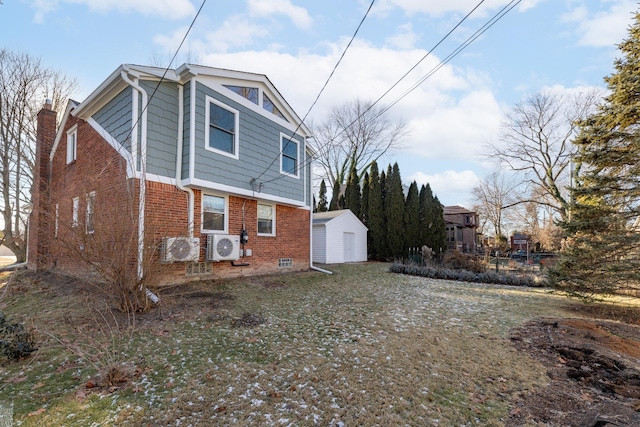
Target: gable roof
x=115 y=84
x=324 y=218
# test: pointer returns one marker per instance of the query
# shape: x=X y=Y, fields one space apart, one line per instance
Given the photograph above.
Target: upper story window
x=266 y=220
x=289 y=157
x=250 y=93
x=72 y=144
x=214 y=213
x=222 y=131
x=268 y=105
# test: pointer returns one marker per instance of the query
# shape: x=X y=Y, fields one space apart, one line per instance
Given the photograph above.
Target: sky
x=451 y=116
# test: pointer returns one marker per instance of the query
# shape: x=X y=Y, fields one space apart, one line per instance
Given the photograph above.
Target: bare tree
x=537 y=139
x=492 y=196
x=24 y=85
x=355 y=133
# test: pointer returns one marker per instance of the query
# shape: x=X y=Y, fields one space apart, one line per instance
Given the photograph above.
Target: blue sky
x=557 y=45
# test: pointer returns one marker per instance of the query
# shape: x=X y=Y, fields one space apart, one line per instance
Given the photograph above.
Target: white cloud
x=404 y=39
x=451 y=187
x=237 y=31
x=604 y=28
x=298 y=15
x=172 y=9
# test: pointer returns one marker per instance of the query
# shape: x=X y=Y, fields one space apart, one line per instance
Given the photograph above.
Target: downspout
x=143 y=172
x=191 y=203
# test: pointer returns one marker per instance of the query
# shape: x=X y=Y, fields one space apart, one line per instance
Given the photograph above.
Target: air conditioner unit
x=176 y=249
x=222 y=247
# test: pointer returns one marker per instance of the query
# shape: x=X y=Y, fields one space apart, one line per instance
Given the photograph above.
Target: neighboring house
x=338 y=237
x=461 y=225
x=211 y=166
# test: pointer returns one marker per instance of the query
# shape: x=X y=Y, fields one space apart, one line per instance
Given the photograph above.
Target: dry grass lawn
x=360 y=347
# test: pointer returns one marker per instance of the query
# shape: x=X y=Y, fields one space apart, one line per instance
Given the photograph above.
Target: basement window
x=285 y=262
x=198 y=268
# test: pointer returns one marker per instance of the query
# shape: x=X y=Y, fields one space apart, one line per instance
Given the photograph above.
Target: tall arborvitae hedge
x=412 y=217
x=352 y=196
x=394 y=213
x=375 y=216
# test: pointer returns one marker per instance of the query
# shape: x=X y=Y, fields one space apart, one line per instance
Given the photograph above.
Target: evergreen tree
x=412 y=217
x=394 y=213
x=423 y=214
x=335 y=197
x=602 y=254
x=322 y=202
x=352 y=196
x=438 y=236
x=364 y=208
x=376 y=241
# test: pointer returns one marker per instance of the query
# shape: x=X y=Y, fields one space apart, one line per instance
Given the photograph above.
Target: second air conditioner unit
x=223 y=247
x=176 y=249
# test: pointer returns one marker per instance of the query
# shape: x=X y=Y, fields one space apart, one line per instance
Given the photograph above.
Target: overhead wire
x=499 y=15
x=319 y=93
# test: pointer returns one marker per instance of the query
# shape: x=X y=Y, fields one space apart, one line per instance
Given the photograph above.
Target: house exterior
x=461 y=226
x=338 y=237
x=206 y=169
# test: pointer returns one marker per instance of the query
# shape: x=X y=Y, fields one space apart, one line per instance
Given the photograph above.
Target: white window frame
x=75 y=209
x=226 y=214
x=236 y=131
x=91 y=211
x=282 y=171
x=72 y=144
x=273 y=219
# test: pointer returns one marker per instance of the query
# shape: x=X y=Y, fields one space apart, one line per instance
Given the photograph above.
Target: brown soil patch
x=594 y=373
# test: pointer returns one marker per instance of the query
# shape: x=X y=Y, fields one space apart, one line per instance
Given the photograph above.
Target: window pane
x=213 y=213
x=265 y=219
x=288 y=165
x=222 y=118
x=221 y=140
x=268 y=105
x=251 y=93
x=290 y=148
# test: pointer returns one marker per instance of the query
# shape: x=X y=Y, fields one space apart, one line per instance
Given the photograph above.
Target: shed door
x=349 y=244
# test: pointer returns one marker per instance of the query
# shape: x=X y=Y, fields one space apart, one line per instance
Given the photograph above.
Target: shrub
x=465 y=275
x=15 y=340
x=460 y=261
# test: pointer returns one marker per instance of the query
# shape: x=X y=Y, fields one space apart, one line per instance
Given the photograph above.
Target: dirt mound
x=594 y=372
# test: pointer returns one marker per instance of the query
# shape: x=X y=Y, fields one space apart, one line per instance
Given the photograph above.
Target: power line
x=166 y=70
x=319 y=93
x=396 y=83
x=452 y=55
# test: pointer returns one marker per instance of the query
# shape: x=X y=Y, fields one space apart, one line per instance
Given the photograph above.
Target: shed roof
x=320 y=218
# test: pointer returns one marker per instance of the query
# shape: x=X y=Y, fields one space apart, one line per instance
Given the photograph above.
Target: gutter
x=142 y=122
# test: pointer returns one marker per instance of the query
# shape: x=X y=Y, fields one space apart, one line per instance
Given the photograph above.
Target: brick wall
x=99 y=169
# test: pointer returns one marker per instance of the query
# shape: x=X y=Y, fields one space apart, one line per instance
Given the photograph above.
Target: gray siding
x=162 y=128
x=115 y=118
x=259 y=152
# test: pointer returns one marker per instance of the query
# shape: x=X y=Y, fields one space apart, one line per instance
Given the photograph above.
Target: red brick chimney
x=40 y=220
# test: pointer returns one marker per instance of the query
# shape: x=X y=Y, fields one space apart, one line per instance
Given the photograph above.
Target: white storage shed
x=338 y=237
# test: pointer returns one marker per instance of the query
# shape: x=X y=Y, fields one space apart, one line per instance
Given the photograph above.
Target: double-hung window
x=72 y=144
x=222 y=129
x=75 y=209
x=266 y=220
x=289 y=160
x=214 y=216
x=91 y=212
